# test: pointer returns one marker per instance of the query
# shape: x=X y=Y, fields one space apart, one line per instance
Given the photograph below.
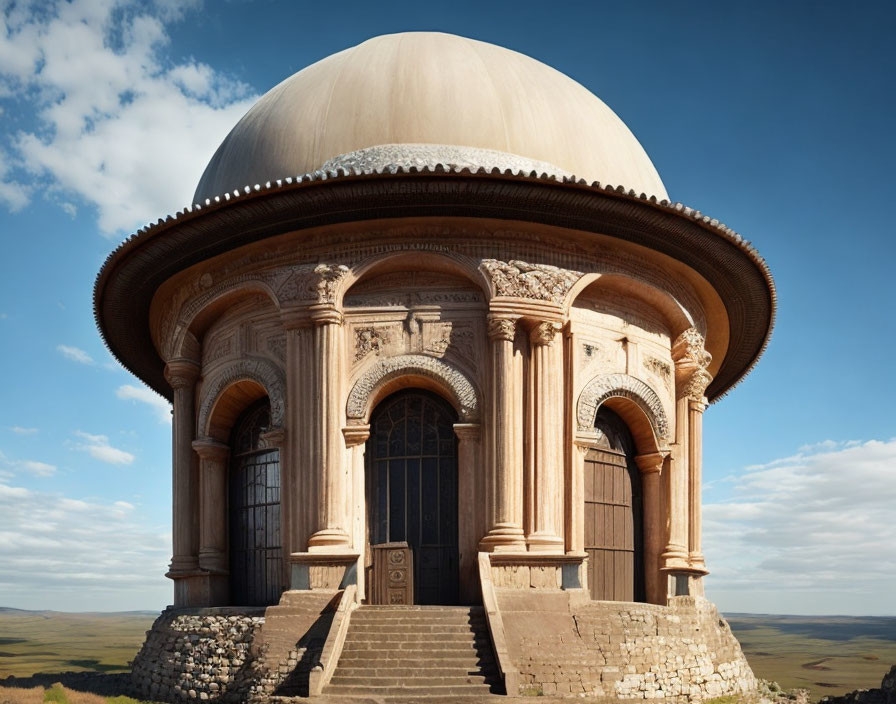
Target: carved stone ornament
x=691 y=362
x=460 y=387
x=369 y=339
x=313 y=283
x=605 y=386
x=544 y=333
x=258 y=369
x=501 y=328
x=689 y=347
x=520 y=279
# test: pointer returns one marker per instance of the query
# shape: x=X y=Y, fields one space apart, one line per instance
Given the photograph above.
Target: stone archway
x=260 y=370
x=376 y=382
x=606 y=386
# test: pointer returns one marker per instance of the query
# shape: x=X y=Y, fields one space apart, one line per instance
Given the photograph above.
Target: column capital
x=544 y=332
x=211 y=449
x=325 y=314
x=652 y=462
x=501 y=327
x=355 y=434
x=698 y=405
x=467 y=431
x=693 y=385
x=274 y=436
x=181 y=373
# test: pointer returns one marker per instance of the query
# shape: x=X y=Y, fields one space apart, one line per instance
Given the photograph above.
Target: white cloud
x=75 y=354
x=19 y=430
x=159 y=405
x=120 y=124
x=99 y=448
x=38 y=469
x=810 y=533
x=74 y=554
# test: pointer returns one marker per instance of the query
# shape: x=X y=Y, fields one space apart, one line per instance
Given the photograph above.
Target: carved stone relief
x=460 y=387
x=659 y=369
x=520 y=279
x=218 y=349
x=258 y=369
x=691 y=362
x=605 y=386
x=276 y=345
x=369 y=340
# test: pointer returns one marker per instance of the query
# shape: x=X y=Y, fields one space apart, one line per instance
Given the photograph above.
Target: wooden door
x=613 y=515
x=412 y=462
x=256 y=555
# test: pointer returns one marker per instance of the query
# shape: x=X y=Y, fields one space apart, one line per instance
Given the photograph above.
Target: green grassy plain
x=828 y=655
x=50 y=641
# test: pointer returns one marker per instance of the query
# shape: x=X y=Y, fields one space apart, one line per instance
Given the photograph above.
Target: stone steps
x=414 y=651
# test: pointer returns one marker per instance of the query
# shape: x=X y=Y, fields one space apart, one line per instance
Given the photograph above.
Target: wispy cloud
x=99 y=448
x=142 y=394
x=53 y=545
x=810 y=532
x=19 y=430
x=38 y=469
x=76 y=354
x=114 y=114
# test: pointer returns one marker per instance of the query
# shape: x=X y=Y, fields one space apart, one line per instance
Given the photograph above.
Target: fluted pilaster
x=547 y=365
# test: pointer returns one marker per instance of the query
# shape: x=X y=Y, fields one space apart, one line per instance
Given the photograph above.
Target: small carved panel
x=392 y=574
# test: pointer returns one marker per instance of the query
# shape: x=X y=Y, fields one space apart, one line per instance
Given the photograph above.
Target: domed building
x=436 y=337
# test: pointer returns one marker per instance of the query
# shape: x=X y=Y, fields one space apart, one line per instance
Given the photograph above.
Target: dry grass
x=57 y=694
x=15 y=695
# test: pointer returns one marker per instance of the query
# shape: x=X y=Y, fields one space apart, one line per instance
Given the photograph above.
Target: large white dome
x=426 y=88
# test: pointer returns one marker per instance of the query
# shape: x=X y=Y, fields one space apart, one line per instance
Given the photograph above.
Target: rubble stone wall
x=198 y=654
x=622 y=650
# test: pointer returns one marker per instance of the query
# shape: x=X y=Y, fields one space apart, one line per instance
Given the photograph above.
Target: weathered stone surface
x=683 y=652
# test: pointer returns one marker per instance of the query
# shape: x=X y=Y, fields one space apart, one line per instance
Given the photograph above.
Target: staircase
x=416 y=651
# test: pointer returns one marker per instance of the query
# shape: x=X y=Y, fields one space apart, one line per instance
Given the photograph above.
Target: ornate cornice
x=133 y=273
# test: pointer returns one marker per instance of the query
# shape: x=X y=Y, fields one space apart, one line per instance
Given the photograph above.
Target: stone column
x=212 y=504
x=182 y=374
x=547 y=365
x=330 y=531
x=651 y=466
x=355 y=439
x=505 y=453
x=675 y=556
x=468 y=510
x=297 y=458
x=695 y=465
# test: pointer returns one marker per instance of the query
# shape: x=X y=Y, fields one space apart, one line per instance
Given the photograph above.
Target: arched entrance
x=614 y=536
x=256 y=554
x=412 y=488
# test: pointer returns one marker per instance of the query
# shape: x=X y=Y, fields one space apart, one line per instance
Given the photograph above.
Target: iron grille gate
x=412 y=455
x=256 y=555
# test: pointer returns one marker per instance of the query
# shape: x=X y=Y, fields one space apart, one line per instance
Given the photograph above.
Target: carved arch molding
x=461 y=389
x=606 y=386
x=257 y=369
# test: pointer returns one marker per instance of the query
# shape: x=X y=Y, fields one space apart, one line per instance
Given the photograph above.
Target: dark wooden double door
x=412 y=488
x=613 y=512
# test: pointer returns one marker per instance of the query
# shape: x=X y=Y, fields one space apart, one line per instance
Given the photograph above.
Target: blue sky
x=774 y=117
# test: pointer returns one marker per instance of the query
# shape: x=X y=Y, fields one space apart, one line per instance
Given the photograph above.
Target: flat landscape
x=50 y=641
x=827 y=655
x=824 y=654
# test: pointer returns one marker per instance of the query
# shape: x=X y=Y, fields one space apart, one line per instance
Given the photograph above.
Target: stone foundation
x=198 y=654
x=566 y=645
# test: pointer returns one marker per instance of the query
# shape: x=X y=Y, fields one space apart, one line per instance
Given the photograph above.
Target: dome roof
x=417 y=97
